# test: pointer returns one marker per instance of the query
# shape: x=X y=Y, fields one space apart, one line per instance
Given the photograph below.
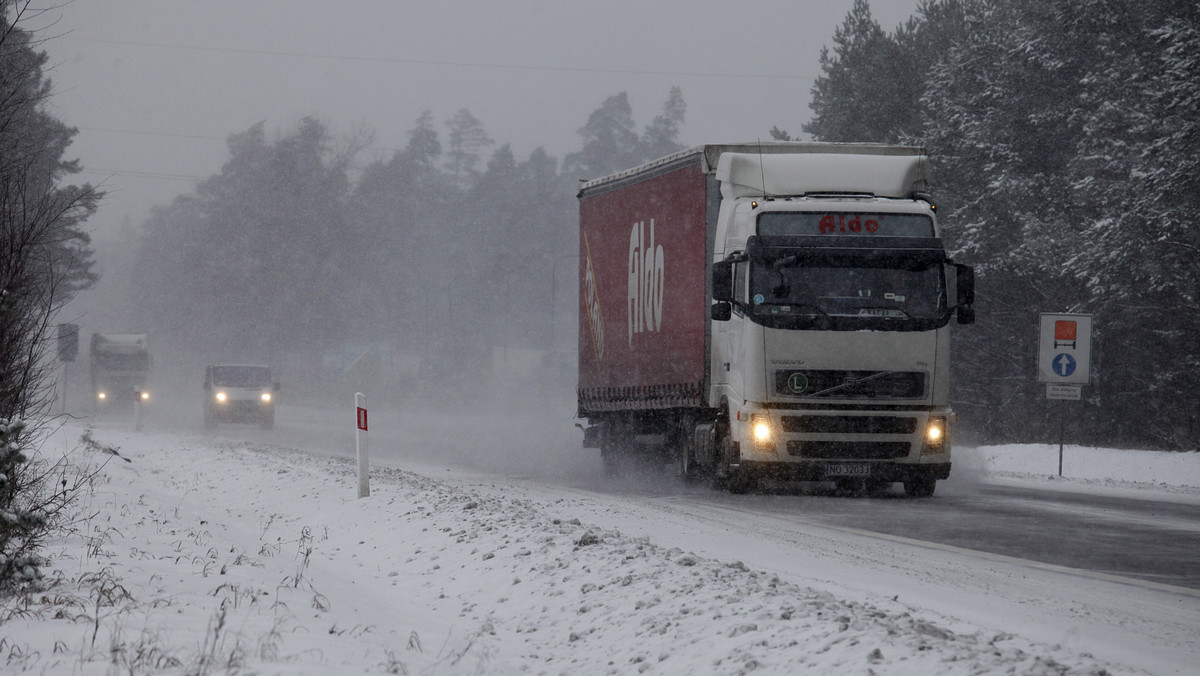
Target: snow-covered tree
x=467 y=140
x=610 y=142
x=661 y=136
x=257 y=248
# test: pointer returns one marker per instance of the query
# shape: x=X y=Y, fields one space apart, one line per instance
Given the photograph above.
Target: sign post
x=1064 y=362
x=361 y=445
x=68 y=349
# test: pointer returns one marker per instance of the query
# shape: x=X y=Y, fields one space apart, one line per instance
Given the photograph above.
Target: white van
x=239 y=393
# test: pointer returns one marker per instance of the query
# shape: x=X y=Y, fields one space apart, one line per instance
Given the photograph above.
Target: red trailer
x=645 y=243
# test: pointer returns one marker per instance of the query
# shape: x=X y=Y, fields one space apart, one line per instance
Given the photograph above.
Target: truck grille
x=851 y=384
x=849 y=450
x=848 y=424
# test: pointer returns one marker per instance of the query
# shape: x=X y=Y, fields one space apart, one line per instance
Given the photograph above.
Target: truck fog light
x=935 y=434
x=761 y=432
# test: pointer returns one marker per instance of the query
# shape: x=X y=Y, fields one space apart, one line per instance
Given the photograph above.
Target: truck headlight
x=221 y=397
x=144 y=396
x=266 y=397
x=935 y=434
x=761 y=433
x=102 y=396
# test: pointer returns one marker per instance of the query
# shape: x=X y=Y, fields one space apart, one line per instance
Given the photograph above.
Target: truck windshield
x=892 y=292
x=241 y=376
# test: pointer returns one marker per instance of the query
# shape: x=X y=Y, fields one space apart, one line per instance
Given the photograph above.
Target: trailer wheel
x=920 y=485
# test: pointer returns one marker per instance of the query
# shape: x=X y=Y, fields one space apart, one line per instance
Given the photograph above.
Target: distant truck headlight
x=102 y=395
x=266 y=397
x=143 y=396
x=221 y=397
x=935 y=434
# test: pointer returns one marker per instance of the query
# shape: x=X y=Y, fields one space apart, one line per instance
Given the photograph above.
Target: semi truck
x=120 y=368
x=770 y=310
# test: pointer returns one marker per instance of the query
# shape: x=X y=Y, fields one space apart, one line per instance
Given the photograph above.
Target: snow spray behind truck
x=774 y=310
x=120 y=364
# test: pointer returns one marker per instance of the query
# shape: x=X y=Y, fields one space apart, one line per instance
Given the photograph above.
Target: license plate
x=851 y=469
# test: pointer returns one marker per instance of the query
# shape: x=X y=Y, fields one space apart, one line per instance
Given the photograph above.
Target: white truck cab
x=239 y=393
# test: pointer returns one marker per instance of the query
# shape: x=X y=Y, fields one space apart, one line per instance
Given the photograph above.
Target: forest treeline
x=432 y=259
x=1065 y=144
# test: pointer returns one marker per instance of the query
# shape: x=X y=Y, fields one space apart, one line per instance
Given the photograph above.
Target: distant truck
x=239 y=393
x=120 y=369
x=774 y=310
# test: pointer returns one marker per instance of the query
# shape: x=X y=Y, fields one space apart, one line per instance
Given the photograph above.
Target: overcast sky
x=156 y=86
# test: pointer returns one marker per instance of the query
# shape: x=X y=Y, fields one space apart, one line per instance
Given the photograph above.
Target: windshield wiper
x=814 y=306
x=877 y=306
x=852 y=383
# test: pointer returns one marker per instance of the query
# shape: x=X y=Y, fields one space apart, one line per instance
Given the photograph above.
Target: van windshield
x=241 y=376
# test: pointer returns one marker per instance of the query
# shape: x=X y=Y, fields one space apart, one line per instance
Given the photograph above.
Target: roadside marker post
x=362 y=446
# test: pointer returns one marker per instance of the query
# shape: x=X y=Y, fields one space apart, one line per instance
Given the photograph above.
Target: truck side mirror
x=722 y=311
x=965 y=285
x=722 y=281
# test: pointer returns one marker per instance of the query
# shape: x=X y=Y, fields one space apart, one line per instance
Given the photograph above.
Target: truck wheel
x=920 y=485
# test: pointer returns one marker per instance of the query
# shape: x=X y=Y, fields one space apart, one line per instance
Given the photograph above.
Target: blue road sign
x=1063 y=364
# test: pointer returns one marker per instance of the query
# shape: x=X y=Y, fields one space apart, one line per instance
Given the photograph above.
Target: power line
x=153 y=133
x=130 y=173
x=427 y=62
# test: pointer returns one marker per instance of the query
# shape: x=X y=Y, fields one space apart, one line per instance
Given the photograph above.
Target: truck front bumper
x=823 y=444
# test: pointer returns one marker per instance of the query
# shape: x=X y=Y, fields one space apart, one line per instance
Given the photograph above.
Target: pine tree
x=609 y=140
x=467 y=140
x=661 y=136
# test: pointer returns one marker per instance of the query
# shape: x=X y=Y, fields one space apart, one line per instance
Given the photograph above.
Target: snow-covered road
x=225 y=554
